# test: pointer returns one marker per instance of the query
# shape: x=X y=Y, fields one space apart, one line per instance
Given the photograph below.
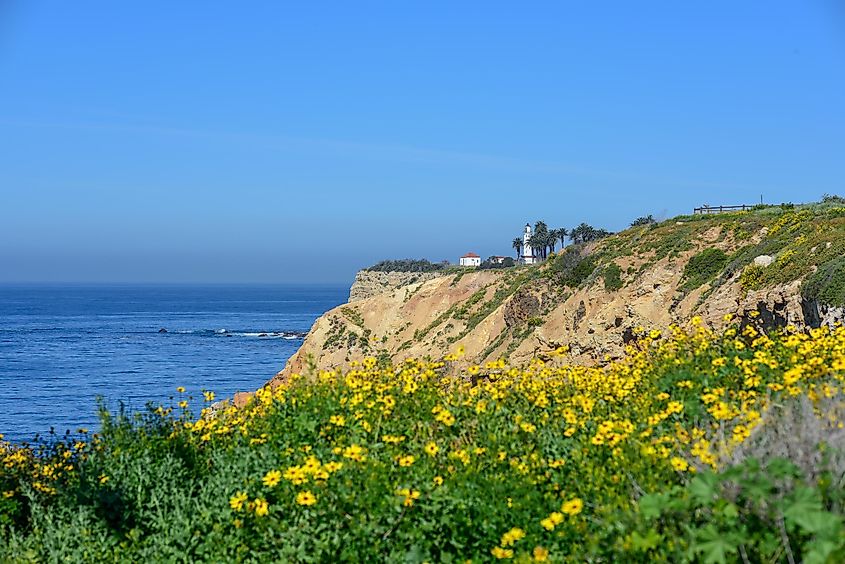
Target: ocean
x=63 y=346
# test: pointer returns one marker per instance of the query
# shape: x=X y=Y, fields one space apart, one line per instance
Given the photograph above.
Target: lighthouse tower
x=527 y=251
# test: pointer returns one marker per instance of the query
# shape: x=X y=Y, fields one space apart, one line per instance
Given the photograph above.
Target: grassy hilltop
x=692 y=444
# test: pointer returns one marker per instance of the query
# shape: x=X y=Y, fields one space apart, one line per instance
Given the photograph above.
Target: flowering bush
x=642 y=459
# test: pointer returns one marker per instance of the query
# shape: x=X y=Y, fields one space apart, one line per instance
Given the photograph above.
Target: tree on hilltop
x=517 y=245
x=560 y=234
x=644 y=220
x=538 y=243
x=585 y=233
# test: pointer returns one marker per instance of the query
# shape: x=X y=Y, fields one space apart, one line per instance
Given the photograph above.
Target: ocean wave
x=287 y=335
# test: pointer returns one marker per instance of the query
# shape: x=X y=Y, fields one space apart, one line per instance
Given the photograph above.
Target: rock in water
x=162 y=330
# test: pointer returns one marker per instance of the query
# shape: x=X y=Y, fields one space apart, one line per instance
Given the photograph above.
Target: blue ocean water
x=62 y=346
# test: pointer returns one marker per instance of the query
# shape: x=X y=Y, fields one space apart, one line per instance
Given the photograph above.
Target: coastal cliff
x=369 y=283
x=777 y=267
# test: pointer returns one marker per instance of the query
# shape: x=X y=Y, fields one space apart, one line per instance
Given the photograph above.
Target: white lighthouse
x=527 y=251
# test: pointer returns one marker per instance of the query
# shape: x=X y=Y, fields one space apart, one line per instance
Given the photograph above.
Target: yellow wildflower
x=540 y=554
x=572 y=507
x=272 y=478
x=512 y=536
x=261 y=506
x=679 y=464
x=236 y=502
x=502 y=553
x=306 y=498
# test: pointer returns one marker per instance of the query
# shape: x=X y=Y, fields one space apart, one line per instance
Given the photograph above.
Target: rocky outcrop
x=520 y=308
x=817 y=314
x=371 y=283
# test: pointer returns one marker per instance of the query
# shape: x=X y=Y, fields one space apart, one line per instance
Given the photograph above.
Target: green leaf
x=713 y=545
x=804 y=508
x=703 y=488
x=821 y=551
x=730 y=511
x=652 y=505
x=817 y=522
x=781 y=468
x=644 y=543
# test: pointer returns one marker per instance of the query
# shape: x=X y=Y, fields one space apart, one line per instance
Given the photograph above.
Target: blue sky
x=299 y=141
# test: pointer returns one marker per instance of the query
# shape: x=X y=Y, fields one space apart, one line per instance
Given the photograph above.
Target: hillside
x=784 y=264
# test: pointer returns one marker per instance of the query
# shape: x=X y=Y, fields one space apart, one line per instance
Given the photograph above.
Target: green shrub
x=535 y=321
x=406 y=265
x=827 y=285
x=612 y=275
x=353 y=315
x=832 y=199
x=572 y=268
x=703 y=267
x=742 y=514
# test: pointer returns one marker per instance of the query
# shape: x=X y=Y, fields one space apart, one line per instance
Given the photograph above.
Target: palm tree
x=536 y=243
x=517 y=245
x=582 y=233
x=540 y=239
x=561 y=234
x=551 y=240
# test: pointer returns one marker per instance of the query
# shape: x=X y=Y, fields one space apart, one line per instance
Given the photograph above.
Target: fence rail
x=721 y=209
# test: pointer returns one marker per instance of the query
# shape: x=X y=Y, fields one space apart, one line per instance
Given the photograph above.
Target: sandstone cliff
x=594 y=298
x=372 y=283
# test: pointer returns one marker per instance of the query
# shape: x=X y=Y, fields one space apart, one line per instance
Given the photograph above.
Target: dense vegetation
x=703 y=267
x=406 y=265
x=492 y=263
x=694 y=447
x=805 y=241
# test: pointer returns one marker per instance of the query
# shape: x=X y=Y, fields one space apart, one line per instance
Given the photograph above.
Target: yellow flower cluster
x=571 y=436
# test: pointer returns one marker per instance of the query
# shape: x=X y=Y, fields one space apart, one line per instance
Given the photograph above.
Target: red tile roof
x=470 y=255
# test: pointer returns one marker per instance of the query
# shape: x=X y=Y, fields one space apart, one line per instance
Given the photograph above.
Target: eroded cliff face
x=528 y=311
x=370 y=283
x=490 y=318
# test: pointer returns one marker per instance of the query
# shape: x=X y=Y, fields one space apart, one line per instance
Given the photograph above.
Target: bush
x=492 y=264
x=612 y=277
x=832 y=199
x=703 y=267
x=827 y=284
x=644 y=220
x=571 y=268
x=406 y=265
x=752 y=277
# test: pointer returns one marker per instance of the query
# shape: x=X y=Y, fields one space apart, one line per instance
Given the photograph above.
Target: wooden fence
x=721 y=209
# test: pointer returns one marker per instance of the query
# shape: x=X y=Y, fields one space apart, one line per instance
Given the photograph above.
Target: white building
x=470 y=259
x=528 y=255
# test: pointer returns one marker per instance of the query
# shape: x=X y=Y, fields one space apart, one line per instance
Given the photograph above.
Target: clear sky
x=299 y=141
